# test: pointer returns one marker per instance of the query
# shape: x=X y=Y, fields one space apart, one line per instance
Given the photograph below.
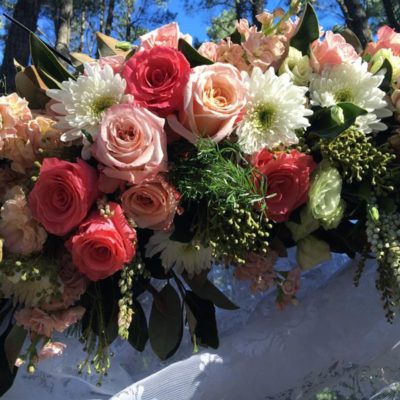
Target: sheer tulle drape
x=335 y=341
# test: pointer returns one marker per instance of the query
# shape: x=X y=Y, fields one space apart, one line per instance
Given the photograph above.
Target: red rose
x=157 y=79
x=63 y=194
x=288 y=180
x=103 y=244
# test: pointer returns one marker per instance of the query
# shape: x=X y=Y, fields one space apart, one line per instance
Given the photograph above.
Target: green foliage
x=329 y=122
x=166 y=322
x=307 y=31
x=192 y=55
x=359 y=159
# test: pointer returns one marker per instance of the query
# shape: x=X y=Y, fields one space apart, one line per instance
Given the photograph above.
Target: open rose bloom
x=143 y=169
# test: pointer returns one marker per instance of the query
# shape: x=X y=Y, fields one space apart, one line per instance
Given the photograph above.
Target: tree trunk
x=17 y=40
x=129 y=11
x=82 y=30
x=391 y=17
x=110 y=17
x=102 y=15
x=257 y=7
x=240 y=9
x=356 y=19
x=63 y=34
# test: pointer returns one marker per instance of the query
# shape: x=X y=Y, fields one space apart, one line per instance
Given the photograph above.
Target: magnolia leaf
x=192 y=55
x=236 y=37
x=202 y=320
x=30 y=86
x=307 y=31
x=49 y=68
x=13 y=344
x=80 y=58
x=166 y=323
x=325 y=122
x=108 y=46
x=207 y=291
x=138 y=332
x=7 y=376
x=386 y=84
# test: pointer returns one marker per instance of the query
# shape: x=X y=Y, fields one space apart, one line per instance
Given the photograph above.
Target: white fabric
x=336 y=338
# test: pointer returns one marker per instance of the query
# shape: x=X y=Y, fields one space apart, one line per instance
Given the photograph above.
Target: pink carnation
x=51 y=349
x=334 y=50
x=116 y=63
x=388 y=38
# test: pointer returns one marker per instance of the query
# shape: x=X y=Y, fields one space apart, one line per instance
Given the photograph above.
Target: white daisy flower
x=354 y=84
x=81 y=103
x=190 y=257
x=275 y=109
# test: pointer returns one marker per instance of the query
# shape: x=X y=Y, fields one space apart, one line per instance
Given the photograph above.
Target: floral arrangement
x=142 y=169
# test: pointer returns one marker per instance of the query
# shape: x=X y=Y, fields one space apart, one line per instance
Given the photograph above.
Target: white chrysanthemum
x=354 y=84
x=27 y=292
x=81 y=103
x=190 y=257
x=275 y=109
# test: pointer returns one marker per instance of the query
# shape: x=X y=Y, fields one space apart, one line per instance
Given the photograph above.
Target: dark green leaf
x=183 y=226
x=154 y=265
x=192 y=55
x=387 y=80
x=236 y=37
x=111 y=330
x=6 y=376
x=307 y=31
x=49 y=68
x=138 y=332
x=13 y=344
x=207 y=291
x=202 y=320
x=325 y=125
x=166 y=323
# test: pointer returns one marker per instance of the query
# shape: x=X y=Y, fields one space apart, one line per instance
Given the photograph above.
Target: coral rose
x=151 y=204
x=214 y=97
x=103 y=244
x=288 y=180
x=334 y=50
x=131 y=143
x=157 y=78
x=63 y=194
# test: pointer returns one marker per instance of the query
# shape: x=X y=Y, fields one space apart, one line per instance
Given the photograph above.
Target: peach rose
x=151 y=204
x=213 y=100
x=388 y=38
x=131 y=143
x=265 y=51
x=334 y=50
x=21 y=233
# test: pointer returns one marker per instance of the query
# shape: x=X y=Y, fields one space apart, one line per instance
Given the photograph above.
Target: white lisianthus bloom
x=276 y=108
x=80 y=104
x=190 y=257
x=352 y=83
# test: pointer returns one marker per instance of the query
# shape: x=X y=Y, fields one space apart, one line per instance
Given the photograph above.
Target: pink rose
x=388 y=38
x=116 y=63
x=213 y=100
x=157 y=78
x=334 y=50
x=151 y=204
x=131 y=144
x=63 y=194
x=288 y=177
x=103 y=244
